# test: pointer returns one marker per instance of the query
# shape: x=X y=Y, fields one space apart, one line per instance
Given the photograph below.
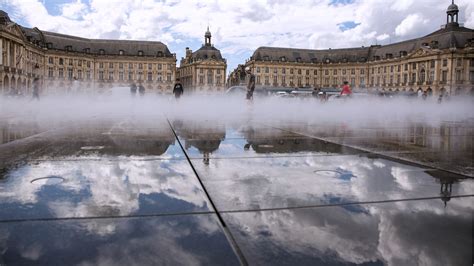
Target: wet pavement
x=210 y=192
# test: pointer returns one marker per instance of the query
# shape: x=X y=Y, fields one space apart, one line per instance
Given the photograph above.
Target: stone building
x=203 y=70
x=442 y=59
x=63 y=62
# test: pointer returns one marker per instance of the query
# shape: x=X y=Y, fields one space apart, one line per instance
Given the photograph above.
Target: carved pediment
x=422 y=52
x=14 y=30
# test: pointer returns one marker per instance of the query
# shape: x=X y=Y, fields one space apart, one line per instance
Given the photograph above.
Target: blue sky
x=239 y=27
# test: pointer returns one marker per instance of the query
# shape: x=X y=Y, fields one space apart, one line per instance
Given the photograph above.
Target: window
x=50 y=72
x=88 y=74
x=130 y=65
x=405 y=78
x=61 y=73
x=385 y=69
x=326 y=72
x=70 y=62
x=334 y=72
x=283 y=70
x=111 y=75
x=61 y=61
x=299 y=71
x=267 y=80
x=201 y=80
x=445 y=62
x=362 y=82
x=121 y=65
x=168 y=77
x=159 y=54
x=50 y=60
x=159 y=66
x=362 y=71
x=432 y=63
x=258 y=69
x=343 y=72
x=398 y=68
x=267 y=70
x=150 y=66
x=391 y=69
x=413 y=77
x=101 y=51
x=101 y=65
x=130 y=75
x=471 y=75
x=150 y=78
x=121 y=76
x=79 y=62
x=140 y=53
x=201 y=71
x=140 y=66
x=353 y=82
x=275 y=70
x=459 y=62
x=101 y=75
x=414 y=65
x=406 y=67
x=88 y=63
x=315 y=72
x=111 y=65
x=218 y=71
x=275 y=80
x=120 y=52
x=458 y=76
x=283 y=81
x=444 y=76
x=291 y=71
x=258 y=80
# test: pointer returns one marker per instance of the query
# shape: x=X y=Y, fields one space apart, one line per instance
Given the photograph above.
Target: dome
x=207 y=52
x=452 y=8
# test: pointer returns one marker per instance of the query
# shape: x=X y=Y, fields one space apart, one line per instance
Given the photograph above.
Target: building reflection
x=202 y=136
x=14 y=130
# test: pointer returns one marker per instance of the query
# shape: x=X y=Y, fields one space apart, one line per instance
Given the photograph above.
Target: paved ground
x=130 y=192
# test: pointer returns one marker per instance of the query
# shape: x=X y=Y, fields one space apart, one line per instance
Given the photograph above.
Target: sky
x=239 y=27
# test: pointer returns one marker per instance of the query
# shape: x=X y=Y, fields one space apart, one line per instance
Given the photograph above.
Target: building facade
x=62 y=62
x=203 y=70
x=441 y=60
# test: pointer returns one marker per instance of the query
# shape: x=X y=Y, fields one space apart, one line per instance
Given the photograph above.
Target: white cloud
x=409 y=24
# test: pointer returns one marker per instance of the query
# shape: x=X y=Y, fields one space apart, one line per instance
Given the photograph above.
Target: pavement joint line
x=342 y=204
x=106 y=217
x=224 y=212
x=386 y=155
x=232 y=242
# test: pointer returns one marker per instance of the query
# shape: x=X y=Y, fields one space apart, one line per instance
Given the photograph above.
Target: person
x=316 y=92
x=346 y=89
x=133 y=89
x=36 y=88
x=178 y=89
x=141 y=90
x=250 y=83
x=419 y=92
x=429 y=91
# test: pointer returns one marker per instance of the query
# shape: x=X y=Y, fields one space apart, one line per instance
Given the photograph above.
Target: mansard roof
x=63 y=42
x=448 y=37
x=207 y=52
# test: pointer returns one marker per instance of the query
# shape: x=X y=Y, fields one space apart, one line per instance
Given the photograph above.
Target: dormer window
x=327 y=61
x=68 y=48
x=344 y=60
x=434 y=44
x=101 y=51
x=49 y=45
x=266 y=58
x=403 y=53
x=283 y=59
x=160 y=54
x=140 y=53
x=376 y=57
x=121 y=52
x=314 y=60
x=87 y=50
x=388 y=56
x=298 y=59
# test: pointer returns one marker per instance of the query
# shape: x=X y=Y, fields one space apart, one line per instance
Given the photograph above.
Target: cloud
x=409 y=24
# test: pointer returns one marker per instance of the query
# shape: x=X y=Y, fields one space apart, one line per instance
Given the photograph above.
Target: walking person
x=133 y=89
x=36 y=89
x=250 y=84
x=141 y=90
x=178 y=89
x=346 y=89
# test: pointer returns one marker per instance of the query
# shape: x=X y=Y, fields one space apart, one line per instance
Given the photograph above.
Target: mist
x=51 y=111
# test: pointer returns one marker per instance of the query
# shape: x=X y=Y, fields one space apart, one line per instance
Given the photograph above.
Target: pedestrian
x=133 y=89
x=141 y=90
x=36 y=89
x=178 y=89
x=419 y=92
x=346 y=89
x=250 y=84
